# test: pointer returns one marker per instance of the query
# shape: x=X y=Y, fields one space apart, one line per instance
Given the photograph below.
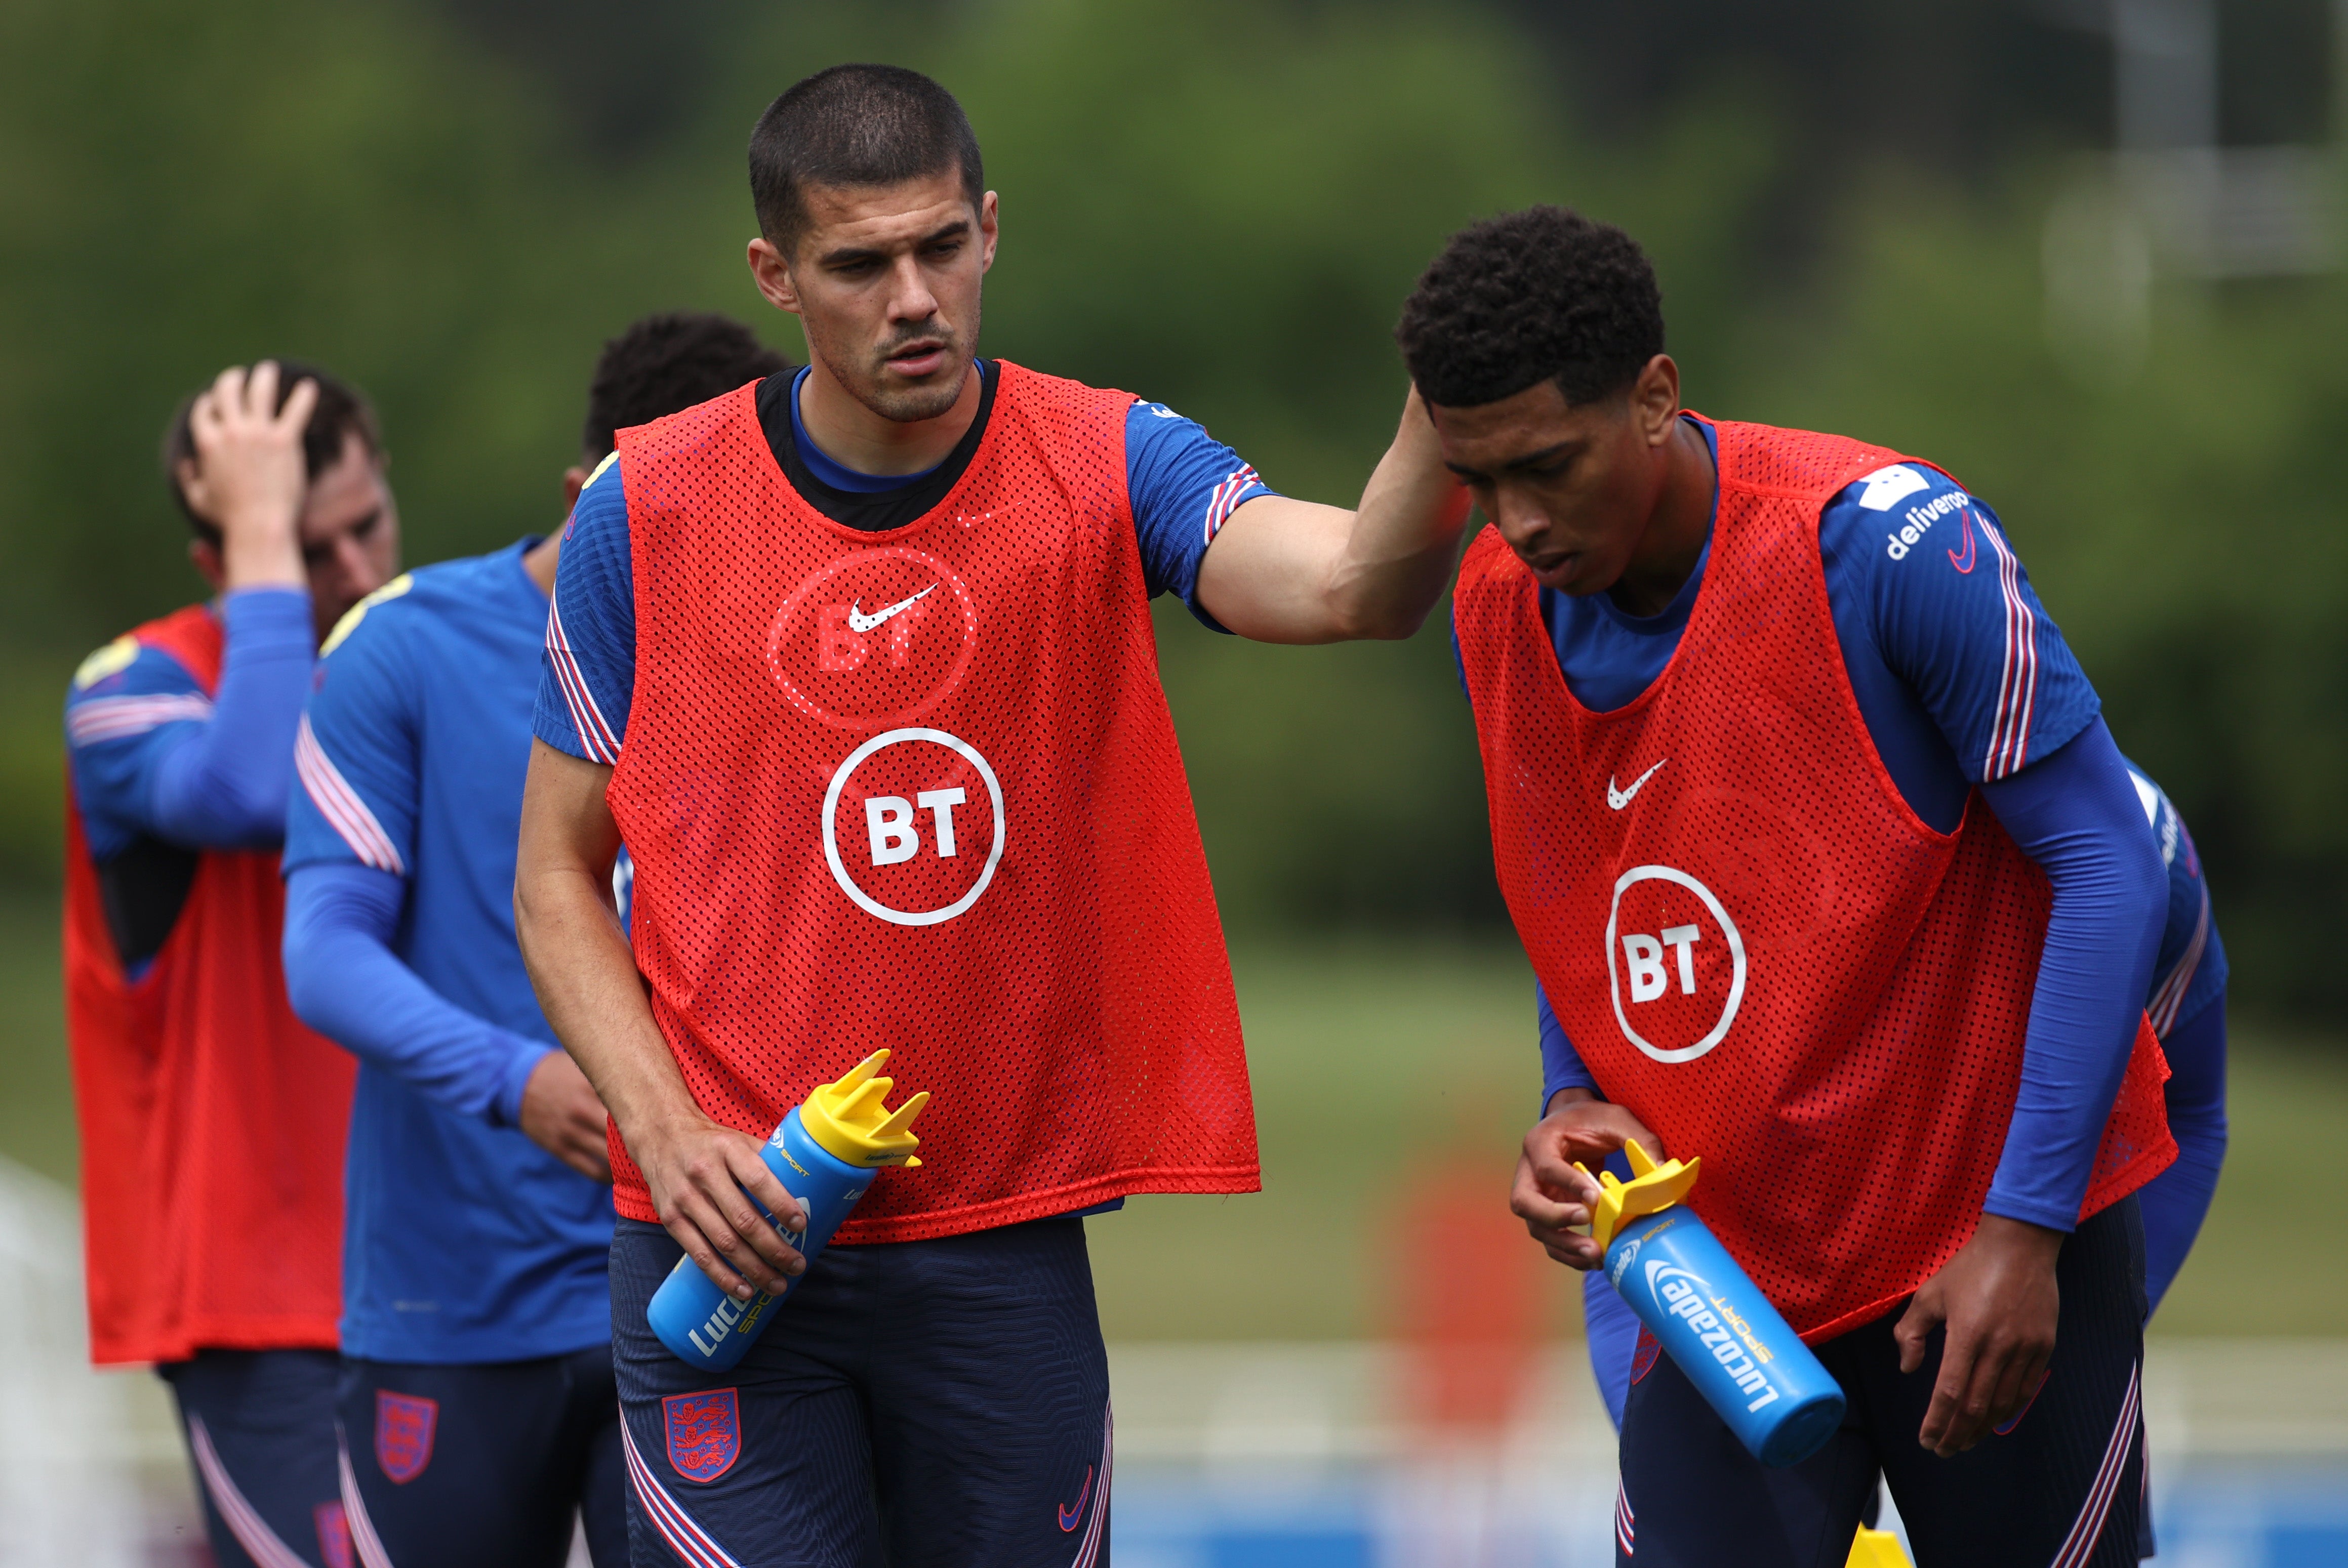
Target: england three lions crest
x=704 y=1432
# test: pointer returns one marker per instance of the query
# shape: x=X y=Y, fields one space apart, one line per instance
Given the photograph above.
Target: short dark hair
x=342 y=411
x=856 y=126
x=1544 y=295
x=667 y=361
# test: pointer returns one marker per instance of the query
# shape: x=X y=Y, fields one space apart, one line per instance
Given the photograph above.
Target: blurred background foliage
x=1219 y=205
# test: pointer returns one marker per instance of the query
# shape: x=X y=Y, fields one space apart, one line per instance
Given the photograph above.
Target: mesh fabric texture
x=1843 y=1050
x=212 y=1120
x=823 y=722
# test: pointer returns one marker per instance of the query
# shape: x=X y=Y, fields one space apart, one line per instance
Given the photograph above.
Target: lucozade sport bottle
x=1718 y=1327
x=825 y=1154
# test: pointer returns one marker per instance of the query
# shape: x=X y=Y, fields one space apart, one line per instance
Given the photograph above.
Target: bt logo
x=1644 y=957
x=889 y=824
x=1681 y=959
x=913 y=789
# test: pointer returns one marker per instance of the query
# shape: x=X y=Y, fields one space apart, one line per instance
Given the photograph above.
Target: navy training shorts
x=2061 y=1484
x=483 y=1465
x=260 y=1426
x=929 y=1404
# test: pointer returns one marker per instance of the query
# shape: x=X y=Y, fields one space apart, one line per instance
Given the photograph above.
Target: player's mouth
x=1556 y=569
x=916 y=360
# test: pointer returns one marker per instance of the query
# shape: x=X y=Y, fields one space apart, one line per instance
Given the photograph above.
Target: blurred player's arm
x=150 y=750
x=698 y=1170
x=346 y=983
x=1284 y=570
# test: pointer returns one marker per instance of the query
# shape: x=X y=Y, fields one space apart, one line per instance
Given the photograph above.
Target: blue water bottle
x=1714 y=1321
x=825 y=1154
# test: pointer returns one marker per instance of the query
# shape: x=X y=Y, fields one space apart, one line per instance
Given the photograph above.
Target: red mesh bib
x=919 y=789
x=1752 y=941
x=211 y=1120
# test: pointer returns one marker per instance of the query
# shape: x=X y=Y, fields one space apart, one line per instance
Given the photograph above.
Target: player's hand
x=1999 y=1299
x=247 y=477
x=1551 y=1193
x=560 y=1114
x=703 y=1176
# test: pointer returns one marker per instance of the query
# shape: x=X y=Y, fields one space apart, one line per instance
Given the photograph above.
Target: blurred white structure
x=1236 y=1456
x=73 y=1442
x=2168 y=200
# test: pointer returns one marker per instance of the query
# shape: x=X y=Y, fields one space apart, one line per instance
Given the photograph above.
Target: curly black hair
x=667 y=361
x=1544 y=295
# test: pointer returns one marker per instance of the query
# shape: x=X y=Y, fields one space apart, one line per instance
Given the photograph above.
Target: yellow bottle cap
x=851 y=1123
x=1877 y=1549
x=1651 y=1190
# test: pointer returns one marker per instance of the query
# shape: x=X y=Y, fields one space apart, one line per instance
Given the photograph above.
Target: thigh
x=1613 y=1335
x=766 y=1466
x=2062 y=1482
x=260 y=1426
x=1694 y=1497
x=990 y=1426
x=458 y=1466
x=602 y=1483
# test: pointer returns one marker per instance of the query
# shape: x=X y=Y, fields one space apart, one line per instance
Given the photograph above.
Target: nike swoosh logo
x=1966 y=564
x=859 y=622
x=1618 y=798
x=1070 y=1517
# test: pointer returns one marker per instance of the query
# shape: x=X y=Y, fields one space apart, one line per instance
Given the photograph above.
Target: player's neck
x=539 y=560
x=1676 y=530
x=856 y=438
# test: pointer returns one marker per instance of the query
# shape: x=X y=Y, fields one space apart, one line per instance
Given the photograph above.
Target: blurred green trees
x=1214 y=204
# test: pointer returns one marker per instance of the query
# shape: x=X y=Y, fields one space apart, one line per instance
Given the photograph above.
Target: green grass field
x=1375 y=1063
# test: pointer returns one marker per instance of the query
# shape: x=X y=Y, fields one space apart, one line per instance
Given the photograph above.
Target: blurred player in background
x=477 y=1405
x=860 y=663
x=1831 y=876
x=211 y=1120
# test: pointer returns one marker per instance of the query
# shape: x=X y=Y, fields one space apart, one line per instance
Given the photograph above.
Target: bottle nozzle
x=851 y=1119
x=1651 y=1189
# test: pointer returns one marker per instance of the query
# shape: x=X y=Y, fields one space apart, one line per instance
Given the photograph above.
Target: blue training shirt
x=464 y=1242
x=1184 y=484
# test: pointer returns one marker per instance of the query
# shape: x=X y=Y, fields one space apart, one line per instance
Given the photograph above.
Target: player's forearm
x=2076 y=814
x=225 y=787
x=1284 y=570
x=579 y=960
x=1404 y=539
x=345 y=982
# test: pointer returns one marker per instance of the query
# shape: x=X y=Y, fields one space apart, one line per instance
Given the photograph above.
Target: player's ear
x=773 y=275
x=989 y=228
x=208 y=564
x=1656 y=399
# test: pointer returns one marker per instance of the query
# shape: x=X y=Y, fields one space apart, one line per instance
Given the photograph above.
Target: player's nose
x=911 y=299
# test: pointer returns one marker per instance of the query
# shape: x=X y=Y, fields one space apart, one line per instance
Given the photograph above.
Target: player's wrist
x=2035 y=1242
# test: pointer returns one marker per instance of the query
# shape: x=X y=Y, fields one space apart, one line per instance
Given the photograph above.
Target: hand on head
x=247 y=477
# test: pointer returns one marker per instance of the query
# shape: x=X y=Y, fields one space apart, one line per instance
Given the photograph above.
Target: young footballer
x=1832 y=876
x=858 y=661
x=211 y=1120
x=476 y=1406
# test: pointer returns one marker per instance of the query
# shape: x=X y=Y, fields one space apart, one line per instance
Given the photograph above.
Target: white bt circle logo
x=1676 y=958
x=912 y=826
